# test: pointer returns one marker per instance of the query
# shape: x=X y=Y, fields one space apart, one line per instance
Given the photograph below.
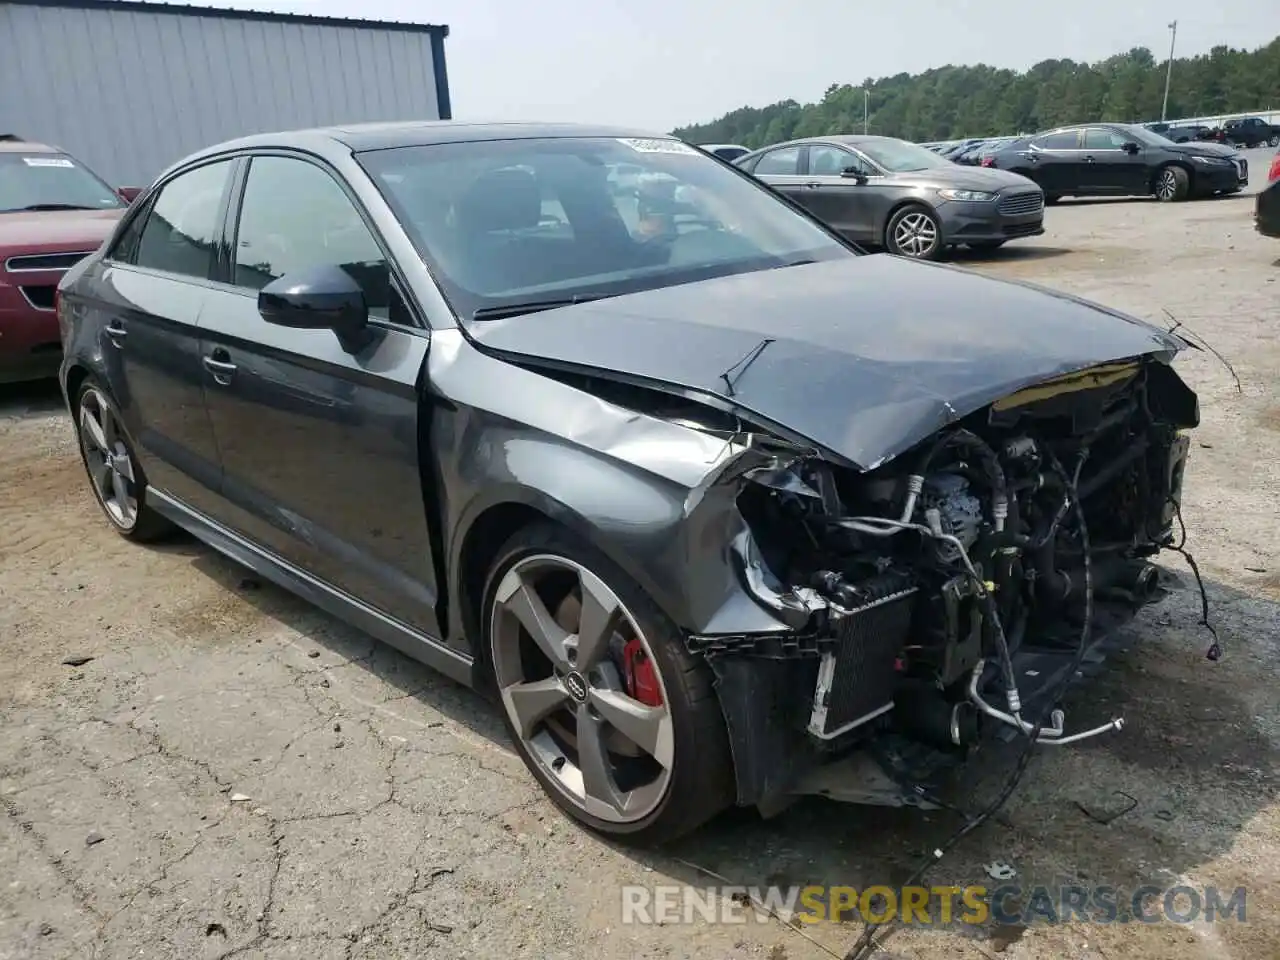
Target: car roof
x=362 y=137
x=847 y=139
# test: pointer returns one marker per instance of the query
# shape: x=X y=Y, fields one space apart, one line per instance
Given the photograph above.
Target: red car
x=53 y=211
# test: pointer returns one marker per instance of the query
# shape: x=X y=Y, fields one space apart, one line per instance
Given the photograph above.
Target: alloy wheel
x=107 y=457
x=570 y=695
x=915 y=234
x=1167 y=187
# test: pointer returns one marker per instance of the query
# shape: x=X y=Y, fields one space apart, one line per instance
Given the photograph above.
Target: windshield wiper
x=505 y=310
x=51 y=206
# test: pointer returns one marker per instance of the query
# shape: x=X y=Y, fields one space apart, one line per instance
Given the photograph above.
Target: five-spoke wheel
x=116 y=477
x=607 y=708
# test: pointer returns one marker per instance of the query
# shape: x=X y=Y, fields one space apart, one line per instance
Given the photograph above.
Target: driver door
x=845 y=203
x=319 y=446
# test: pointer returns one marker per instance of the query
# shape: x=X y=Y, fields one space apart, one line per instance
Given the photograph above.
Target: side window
x=1096 y=138
x=1067 y=140
x=825 y=161
x=782 y=162
x=294 y=215
x=182 y=226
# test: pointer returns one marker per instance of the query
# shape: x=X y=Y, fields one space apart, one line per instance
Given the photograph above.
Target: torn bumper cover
x=946 y=596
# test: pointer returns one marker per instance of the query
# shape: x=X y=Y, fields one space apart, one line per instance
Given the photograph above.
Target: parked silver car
x=881 y=191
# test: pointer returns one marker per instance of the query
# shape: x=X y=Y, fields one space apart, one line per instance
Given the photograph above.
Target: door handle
x=812 y=185
x=116 y=333
x=222 y=370
x=1090 y=160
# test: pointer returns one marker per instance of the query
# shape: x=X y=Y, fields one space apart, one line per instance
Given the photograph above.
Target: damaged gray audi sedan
x=720 y=509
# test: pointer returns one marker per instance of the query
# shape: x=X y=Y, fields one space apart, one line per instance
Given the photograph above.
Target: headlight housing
x=1211 y=160
x=967 y=196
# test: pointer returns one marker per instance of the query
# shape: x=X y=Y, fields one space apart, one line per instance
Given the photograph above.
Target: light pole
x=1168 y=75
x=866 y=109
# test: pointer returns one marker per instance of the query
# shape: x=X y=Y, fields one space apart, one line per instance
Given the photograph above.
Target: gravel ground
x=236 y=774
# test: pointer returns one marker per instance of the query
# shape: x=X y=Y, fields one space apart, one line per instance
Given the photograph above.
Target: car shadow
x=1190 y=770
x=32 y=398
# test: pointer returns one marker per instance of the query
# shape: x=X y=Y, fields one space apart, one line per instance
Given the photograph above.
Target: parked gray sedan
x=881 y=191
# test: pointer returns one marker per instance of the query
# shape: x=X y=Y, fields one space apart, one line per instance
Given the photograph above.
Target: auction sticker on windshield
x=47 y=162
x=657 y=146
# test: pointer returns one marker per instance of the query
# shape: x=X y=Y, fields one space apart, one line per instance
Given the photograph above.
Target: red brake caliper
x=639 y=675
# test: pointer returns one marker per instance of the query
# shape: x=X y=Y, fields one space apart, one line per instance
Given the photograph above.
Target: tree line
x=973 y=101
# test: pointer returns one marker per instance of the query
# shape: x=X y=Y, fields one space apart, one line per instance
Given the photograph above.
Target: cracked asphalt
x=235 y=774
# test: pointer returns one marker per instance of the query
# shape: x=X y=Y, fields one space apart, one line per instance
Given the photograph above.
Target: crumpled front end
x=941 y=598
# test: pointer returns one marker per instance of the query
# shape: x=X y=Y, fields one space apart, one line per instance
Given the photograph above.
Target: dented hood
x=869 y=355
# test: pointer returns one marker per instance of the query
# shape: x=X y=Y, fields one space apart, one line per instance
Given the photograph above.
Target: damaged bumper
x=948 y=596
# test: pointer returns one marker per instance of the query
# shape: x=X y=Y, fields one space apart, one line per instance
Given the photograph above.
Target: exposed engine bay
x=939 y=598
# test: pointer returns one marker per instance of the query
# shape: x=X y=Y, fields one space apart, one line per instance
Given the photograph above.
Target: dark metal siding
x=132 y=87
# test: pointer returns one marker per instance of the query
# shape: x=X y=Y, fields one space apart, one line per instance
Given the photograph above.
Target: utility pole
x=866 y=109
x=1173 y=36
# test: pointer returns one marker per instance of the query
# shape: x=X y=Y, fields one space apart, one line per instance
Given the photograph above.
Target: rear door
x=319 y=445
x=780 y=169
x=153 y=286
x=1055 y=161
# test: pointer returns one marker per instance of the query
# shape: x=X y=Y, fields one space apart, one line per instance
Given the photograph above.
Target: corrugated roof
x=194 y=10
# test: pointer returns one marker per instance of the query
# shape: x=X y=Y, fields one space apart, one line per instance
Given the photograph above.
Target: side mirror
x=128 y=194
x=854 y=173
x=319 y=298
x=1131 y=147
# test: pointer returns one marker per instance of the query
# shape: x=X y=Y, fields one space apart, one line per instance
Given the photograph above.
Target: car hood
x=1202 y=149
x=44 y=231
x=960 y=177
x=864 y=356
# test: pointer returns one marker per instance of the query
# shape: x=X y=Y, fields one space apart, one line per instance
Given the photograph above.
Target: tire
x=115 y=476
x=1051 y=199
x=915 y=232
x=545 y=568
x=1171 y=184
x=1274 y=141
x=986 y=245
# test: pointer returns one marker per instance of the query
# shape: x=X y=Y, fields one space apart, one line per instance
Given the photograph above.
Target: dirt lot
x=386 y=817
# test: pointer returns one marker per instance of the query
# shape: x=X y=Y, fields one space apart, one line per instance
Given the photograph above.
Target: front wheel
x=114 y=472
x=915 y=232
x=615 y=718
x=1172 y=184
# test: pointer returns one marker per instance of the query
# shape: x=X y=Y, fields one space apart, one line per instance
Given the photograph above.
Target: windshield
x=899 y=156
x=51 y=181
x=506 y=222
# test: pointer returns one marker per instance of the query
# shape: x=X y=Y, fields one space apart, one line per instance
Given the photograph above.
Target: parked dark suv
x=712 y=503
x=1117 y=159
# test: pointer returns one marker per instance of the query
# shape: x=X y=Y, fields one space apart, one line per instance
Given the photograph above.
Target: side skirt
x=360 y=615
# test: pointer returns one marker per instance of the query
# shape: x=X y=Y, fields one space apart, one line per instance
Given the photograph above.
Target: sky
x=660 y=64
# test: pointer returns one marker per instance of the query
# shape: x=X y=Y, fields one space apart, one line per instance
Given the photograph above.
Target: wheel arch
x=490 y=524
x=1182 y=165
x=882 y=231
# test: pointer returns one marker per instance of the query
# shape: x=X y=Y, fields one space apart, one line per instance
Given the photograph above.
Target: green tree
x=972 y=101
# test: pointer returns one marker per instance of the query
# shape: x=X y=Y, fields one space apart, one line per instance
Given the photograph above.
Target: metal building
x=130 y=87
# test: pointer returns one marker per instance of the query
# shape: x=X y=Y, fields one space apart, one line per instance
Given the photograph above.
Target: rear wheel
x=607 y=708
x=915 y=232
x=1172 y=184
x=1274 y=141
x=114 y=473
